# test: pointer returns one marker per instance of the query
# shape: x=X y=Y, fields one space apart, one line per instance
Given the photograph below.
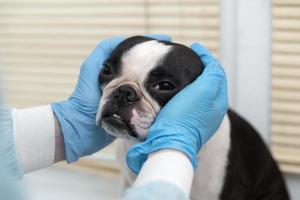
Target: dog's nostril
x=126 y=93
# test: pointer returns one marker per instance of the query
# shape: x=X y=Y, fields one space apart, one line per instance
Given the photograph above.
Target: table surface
x=57 y=183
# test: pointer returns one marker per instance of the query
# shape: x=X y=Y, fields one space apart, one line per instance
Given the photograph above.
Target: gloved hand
x=190 y=118
x=77 y=115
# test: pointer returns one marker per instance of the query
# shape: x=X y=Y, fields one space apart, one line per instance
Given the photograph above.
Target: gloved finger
x=211 y=80
x=159 y=37
x=94 y=61
x=222 y=98
x=136 y=156
x=203 y=53
x=105 y=47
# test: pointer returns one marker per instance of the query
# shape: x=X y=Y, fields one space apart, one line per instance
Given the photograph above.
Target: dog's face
x=138 y=79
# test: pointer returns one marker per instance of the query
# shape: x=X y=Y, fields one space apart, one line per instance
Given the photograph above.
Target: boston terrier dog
x=139 y=78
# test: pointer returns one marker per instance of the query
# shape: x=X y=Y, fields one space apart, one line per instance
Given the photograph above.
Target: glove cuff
x=61 y=111
x=81 y=135
x=138 y=154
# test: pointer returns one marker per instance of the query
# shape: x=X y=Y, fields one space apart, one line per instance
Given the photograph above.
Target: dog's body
x=139 y=78
x=234 y=164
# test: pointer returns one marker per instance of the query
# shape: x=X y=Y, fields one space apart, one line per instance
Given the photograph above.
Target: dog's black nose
x=126 y=93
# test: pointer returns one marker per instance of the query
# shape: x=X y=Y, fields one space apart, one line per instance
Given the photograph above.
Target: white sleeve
x=167 y=166
x=34 y=137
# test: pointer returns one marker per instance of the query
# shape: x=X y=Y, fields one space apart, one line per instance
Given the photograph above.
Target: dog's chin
x=117 y=127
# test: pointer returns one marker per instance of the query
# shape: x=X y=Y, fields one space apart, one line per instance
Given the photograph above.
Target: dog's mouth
x=118 y=126
x=115 y=118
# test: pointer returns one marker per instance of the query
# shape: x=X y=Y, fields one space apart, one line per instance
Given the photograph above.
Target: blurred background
x=44 y=42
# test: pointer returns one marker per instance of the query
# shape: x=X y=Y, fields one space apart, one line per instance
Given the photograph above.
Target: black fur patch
x=252 y=174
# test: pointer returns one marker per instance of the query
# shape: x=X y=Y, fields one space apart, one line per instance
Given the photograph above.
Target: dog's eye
x=164 y=85
x=106 y=69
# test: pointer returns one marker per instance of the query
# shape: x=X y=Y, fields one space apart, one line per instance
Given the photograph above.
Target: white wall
x=246 y=55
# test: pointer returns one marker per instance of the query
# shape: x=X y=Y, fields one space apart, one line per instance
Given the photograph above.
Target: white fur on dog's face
x=136 y=63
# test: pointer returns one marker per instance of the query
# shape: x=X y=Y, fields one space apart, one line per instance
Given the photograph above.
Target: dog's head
x=139 y=78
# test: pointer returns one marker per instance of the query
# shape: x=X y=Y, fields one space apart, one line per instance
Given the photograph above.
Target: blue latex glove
x=77 y=115
x=190 y=118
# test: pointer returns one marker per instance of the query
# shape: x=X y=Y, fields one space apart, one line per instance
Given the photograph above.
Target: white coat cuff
x=168 y=166
x=34 y=136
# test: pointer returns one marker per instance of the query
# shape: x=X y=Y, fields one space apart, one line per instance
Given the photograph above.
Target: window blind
x=286 y=84
x=43 y=43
